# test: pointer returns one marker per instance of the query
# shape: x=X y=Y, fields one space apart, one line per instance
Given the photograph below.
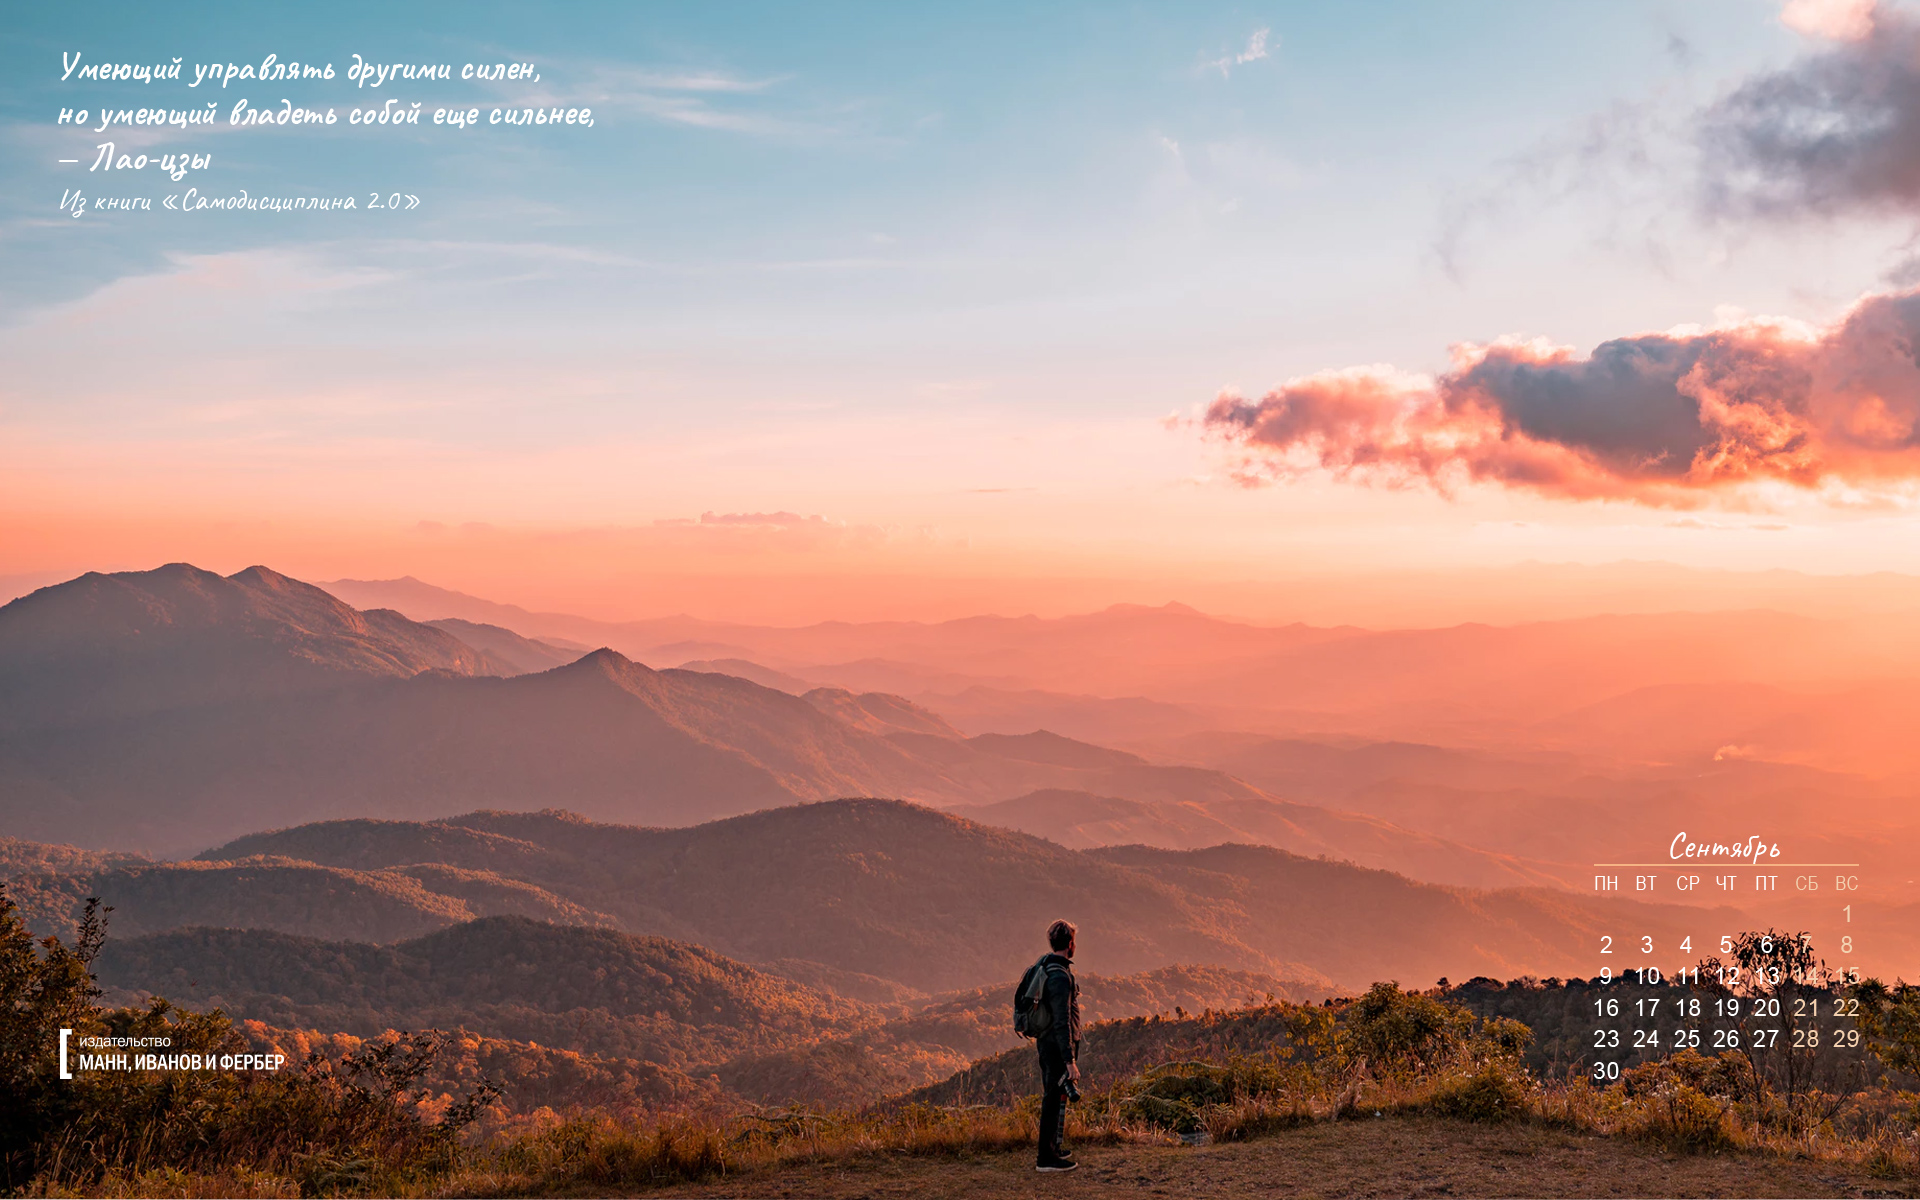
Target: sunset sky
x=866 y=310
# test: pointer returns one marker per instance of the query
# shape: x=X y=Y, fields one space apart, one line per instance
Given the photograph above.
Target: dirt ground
x=1394 y=1157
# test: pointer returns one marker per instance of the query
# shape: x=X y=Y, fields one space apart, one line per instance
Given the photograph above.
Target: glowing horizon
x=964 y=342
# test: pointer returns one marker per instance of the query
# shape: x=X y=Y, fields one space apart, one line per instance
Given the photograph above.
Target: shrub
x=1495 y=1091
x=1503 y=1037
x=1728 y=1075
x=1406 y=1032
x=1890 y=1017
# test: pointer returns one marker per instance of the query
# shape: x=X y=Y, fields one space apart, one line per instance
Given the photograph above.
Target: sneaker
x=1056 y=1164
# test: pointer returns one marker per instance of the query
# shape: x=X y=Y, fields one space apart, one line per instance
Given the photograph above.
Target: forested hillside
x=508 y=977
x=934 y=902
x=614 y=1000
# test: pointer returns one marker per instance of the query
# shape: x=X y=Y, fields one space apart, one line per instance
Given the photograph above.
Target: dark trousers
x=1053 y=1100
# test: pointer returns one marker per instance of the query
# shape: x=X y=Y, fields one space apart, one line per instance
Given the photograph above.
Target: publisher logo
x=84 y=1054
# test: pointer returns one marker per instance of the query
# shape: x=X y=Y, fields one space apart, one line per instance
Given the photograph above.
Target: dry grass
x=1377 y=1139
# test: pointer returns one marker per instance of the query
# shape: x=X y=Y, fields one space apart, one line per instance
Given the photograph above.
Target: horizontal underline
x=1711 y=864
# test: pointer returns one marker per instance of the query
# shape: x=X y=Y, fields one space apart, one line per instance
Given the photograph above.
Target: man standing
x=1059 y=1045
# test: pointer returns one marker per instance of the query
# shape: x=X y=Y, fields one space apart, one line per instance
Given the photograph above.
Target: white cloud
x=1257 y=48
x=688 y=110
x=707 y=81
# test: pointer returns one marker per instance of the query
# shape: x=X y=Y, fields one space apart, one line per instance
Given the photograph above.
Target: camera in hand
x=1072 y=1092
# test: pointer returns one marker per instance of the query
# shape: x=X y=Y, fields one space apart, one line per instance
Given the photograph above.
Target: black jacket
x=1062 y=994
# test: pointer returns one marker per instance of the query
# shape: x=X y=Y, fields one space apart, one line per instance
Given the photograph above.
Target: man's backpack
x=1032 y=1015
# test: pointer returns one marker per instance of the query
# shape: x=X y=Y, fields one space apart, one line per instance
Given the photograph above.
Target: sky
x=911 y=310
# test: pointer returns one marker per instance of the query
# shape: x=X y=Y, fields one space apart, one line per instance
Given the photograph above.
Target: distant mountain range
x=1591 y=738
x=169 y=709
x=1084 y=820
x=1675 y=687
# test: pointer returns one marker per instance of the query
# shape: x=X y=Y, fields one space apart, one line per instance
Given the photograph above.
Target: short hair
x=1060 y=933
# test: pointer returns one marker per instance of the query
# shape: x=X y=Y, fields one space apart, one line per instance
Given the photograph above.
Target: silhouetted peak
x=604 y=659
x=172 y=570
x=855 y=816
x=606 y=665
x=265 y=577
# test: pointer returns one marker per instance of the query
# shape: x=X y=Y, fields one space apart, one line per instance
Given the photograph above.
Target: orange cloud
x=1666 y=419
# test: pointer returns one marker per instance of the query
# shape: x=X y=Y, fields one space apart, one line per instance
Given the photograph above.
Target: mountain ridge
x=131 y=643
x=214 y=705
